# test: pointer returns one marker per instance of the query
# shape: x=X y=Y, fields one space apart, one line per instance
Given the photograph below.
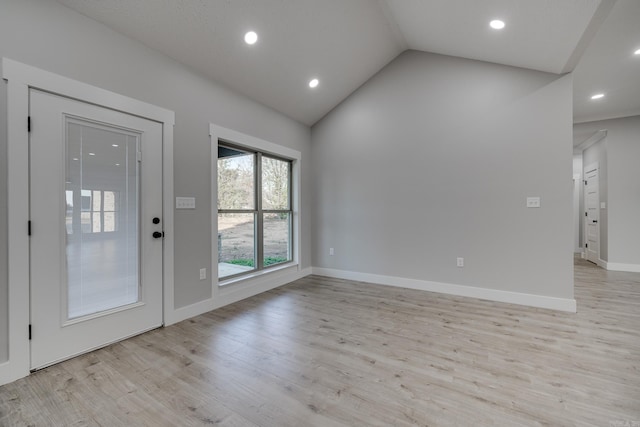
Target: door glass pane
x=101 y=218
x=277 y=238
x=236 y=179
x=236 y=243
x=275 y=184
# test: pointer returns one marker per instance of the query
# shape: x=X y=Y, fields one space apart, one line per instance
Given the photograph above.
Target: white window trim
x=239 y=283
x=21 y=78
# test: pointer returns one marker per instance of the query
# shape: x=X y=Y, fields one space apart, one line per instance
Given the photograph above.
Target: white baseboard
x=618 y=266
x=9 y=372
x=553 y=303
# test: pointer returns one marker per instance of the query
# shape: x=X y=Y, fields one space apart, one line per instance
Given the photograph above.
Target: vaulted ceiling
x=343 y=43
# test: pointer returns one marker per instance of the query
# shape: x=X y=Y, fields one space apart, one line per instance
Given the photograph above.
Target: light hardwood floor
x=327 y=352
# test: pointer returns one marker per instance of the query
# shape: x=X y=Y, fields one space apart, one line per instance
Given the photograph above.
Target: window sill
x=240 y=279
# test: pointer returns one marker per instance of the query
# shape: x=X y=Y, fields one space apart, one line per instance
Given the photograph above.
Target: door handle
x=157 y=234
x=156 y=220
x=595 y=221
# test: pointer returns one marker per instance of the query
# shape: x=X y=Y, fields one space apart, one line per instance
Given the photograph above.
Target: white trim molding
x=618 y=266
x=245 y=286
x=21 y=78
x=540 y=301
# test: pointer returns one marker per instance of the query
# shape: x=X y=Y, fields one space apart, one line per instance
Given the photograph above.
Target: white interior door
x=592 y=209
x=96 y=230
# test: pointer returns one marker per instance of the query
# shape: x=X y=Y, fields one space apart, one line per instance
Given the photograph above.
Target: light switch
x=533 y=202
x=185 y=202
x=603 y=205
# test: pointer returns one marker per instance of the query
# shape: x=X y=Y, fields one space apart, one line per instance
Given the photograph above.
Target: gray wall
x=433 y=159
x=49 y=36
x=621 y=151
x=4 y=319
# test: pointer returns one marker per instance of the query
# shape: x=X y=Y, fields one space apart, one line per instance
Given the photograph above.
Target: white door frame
x=21 y=78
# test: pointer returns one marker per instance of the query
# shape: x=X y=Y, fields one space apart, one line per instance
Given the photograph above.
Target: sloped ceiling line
x=345 y=42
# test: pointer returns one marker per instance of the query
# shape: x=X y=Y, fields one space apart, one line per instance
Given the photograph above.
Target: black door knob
x=157 y=234
x=156 y=220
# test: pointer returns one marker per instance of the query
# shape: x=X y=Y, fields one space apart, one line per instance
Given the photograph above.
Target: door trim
x=20 y=79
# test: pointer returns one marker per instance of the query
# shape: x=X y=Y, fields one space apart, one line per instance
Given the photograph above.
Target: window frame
x=242 y=142
x=258 y=211
x=262 y=211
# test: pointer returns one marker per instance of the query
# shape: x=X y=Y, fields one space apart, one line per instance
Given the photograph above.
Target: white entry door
x=96 y=226
x=592 y=210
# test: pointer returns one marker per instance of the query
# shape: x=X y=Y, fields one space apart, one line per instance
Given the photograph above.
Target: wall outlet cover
x=185 y=202
x=533 y=202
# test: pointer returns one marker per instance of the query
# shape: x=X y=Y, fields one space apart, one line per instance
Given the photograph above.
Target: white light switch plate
x=533 y=202
x=185 y=202
x=603 y=205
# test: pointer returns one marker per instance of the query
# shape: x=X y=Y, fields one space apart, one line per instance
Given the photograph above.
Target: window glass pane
x=109 y=201
x=86 y=199
x=236 y=243
x=275 y=184
x=277 y=238
x=109 y=222
x=236 y=179
x=96 y=222
x=85 y=220
x=97 y=200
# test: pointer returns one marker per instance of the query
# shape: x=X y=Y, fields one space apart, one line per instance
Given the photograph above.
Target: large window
x=254 y=210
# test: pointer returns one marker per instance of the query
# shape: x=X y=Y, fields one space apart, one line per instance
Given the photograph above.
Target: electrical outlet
x=331 y=252
x=460 y=262
x=203 y=273
x=533 y=202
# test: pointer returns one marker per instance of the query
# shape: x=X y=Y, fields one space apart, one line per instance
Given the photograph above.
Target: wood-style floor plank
x=330 y=352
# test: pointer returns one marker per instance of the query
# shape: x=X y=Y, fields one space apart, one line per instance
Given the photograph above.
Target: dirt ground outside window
x=236 y=236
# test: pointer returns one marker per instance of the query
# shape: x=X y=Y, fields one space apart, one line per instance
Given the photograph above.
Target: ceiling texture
x=345 y=42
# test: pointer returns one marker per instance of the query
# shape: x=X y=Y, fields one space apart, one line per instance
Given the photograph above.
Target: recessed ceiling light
x=251 y=37
x=117 y=164
x=598 y=96
x=92 y=154
x=114 y=145
x=314 y=83
x=637 y=52
x=75 y=158
x=497 y=24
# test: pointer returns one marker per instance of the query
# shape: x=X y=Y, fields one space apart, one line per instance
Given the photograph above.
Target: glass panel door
x=96 y=244
x=101 y=218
